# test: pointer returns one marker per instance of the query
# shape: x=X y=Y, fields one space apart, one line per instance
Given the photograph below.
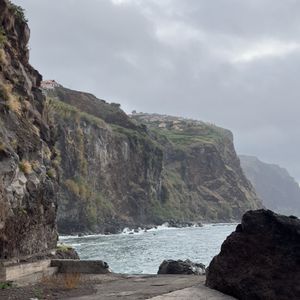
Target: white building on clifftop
x=49 y=84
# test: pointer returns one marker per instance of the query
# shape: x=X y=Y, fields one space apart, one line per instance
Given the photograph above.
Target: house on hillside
x=49 y=84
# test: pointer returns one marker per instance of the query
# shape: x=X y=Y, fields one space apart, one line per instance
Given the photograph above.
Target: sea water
x=142 y=252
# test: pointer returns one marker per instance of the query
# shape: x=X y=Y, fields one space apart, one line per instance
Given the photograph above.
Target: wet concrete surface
x=155 y=287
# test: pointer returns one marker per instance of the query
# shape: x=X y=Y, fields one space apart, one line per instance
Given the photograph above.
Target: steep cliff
x=117 y=171
x=27 y=191
x=109 y=173
x=273 y=184
x=202 y=177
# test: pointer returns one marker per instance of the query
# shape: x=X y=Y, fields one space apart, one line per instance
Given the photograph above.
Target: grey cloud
x=188 y=58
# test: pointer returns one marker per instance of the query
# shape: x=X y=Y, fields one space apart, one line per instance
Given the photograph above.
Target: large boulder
x=186 y=267
x=260 y=260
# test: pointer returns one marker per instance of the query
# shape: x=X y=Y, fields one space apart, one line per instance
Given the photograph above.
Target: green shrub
x=12 y=101
x=3 y=60
x=72 y=186
x=25 y=167
x=18 y=11
x=51 y=173
x=2 y=146
x=63 y=247
x=5 y=285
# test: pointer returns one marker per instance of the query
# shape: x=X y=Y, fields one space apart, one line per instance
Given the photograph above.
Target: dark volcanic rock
x=260 y=260
x=28 y=185
x=186 y=267
x=68 y=253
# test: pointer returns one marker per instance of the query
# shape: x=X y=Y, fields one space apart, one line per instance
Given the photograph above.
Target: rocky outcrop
x=186 y=267
x=278 y=190
x=27 y=175
x=260 y=260
x=65 y=252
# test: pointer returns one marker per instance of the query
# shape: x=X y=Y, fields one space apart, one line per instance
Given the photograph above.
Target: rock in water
x=260 y=260
x=186 y=267
x=66 y=253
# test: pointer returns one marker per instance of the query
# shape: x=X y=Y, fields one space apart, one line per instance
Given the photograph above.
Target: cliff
x=202 y=177
x=119 y=171
x=110 y=174
x=27 y=175
x=273 y=184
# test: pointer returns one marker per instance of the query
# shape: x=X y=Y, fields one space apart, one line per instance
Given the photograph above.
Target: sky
x=229 y=62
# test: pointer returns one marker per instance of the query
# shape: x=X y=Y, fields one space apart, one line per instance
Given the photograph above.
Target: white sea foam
x=142 y=252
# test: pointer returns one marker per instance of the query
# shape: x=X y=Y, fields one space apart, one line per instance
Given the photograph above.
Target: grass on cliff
x=68 y=111
x=51 y=173
x=12 y=101
x=2 y=37
x=3 y=60
x=136 y=135
x=96 y=206
x=26 y=167
x=184 y=133
x=203 y=135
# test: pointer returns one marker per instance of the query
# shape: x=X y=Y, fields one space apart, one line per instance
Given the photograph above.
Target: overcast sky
x=230 y=62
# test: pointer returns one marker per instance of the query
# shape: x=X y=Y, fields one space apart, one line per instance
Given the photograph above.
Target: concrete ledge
x=80 y=266
x=12 y=273
x=35 y=277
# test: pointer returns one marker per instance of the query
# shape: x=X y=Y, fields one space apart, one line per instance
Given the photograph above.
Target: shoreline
x=140 y=230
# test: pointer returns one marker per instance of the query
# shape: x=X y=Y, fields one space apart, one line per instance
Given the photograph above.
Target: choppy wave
x=140 y=230
x=143 y=251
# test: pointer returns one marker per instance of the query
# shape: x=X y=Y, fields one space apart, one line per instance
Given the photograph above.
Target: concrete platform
x=109 y=286
x=17 y=271
x=194 y=293
x=80 y=266
x=155 y=287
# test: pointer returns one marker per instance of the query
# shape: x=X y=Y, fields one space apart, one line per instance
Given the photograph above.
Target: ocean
x=142 y=252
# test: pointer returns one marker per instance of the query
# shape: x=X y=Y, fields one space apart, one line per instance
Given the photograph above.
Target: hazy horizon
x=227 y=62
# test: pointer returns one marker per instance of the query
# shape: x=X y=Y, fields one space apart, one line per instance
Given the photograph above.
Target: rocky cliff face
x=273 y=184
x=202 y=177
x=118 y=172
x=27 y=191
x=110 y=174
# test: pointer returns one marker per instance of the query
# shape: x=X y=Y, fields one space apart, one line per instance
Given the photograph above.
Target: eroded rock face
x=27 y=192
x=202 y=173
x=260 y=260
x=186 y=267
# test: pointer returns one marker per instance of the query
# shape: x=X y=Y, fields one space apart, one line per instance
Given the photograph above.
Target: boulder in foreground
x=186 y=267
x=260 y=260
